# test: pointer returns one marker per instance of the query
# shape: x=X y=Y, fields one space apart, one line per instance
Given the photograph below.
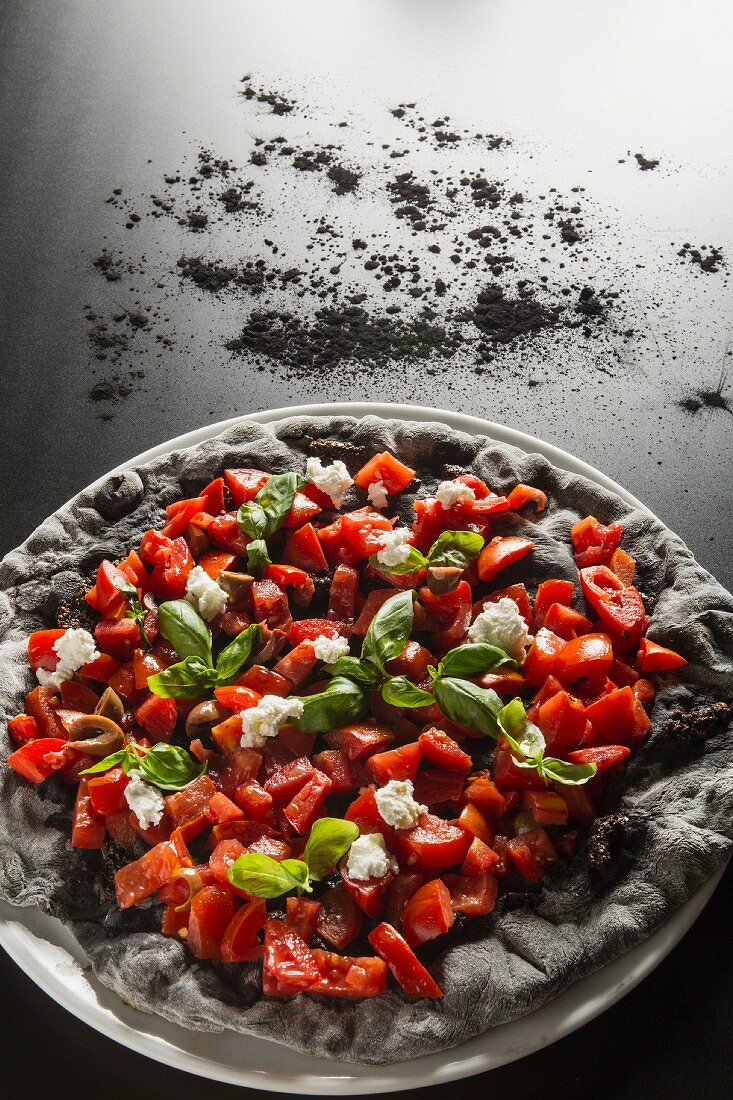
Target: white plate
x=49 y=955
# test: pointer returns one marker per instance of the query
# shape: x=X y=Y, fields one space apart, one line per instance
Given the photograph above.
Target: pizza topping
x=265 y=719
x=377 y=493
x=500 y=624
x=144 y=800
x=73 y=649
x=459 y=729
x=450 y=493
x=395 y=547
x=332 y=480
x=205 y=594
x=330 y=649
x=397 y=806
x=369 y=858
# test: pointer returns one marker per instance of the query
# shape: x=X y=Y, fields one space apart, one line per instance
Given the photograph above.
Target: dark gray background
x=95 y=96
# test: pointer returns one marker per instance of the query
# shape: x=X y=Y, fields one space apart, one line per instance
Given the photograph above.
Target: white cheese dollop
x=145 y=801
x=332 y=480
x=377 y=494
x=396 y=804
x=395 y=546
x=500 y=624
x=330 y=649
x=369 y=858
x=75 y=648
x=208 y=597
x=450 y=492
x=264 y=720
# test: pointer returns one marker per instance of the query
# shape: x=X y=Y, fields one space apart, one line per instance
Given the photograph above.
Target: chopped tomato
x=157 y=717
x=384 y=467
x=307 y=630
x=188 y=804
x=286 y=575
x=501 y=552
x=579 y=803
x=372 y=604
x=413 y=662
x=245 y=484
x=180 y=515
x=303 y=549
x=603 y=756
x=588 y=656
x=368 y=894
x=215 y=562
x=532 y=853
x=362 y=531
x=516 y=592
x=508 y=776
x=546 y=807
x=483 y=793
x=285 y=783
x=289 y=966
x=619 y=717
x=107 y=792
x=619 y=606
x=264 y=681
x=297 y=665
x=562 y=720
x=32 y=759
x=87 y=826
x=593 y=542
x=39 y=706
x=653 y=657
x=434 y=786
x=473 y=895
x=236 y=697
x=302 y=916
x=348 y=977
x=360 y=741
x=442 y=751
x=566 y=622
x=335 y=764
x=306 y=805
x=541 y=656
x=549 y=593
x=479 y=858
x=23 y=728
x=623 y=565
x=401 y=763
x=404 y=964
x=119 y=637
x=41 y=653
x=239 y=941
x=143 y=877
x=339 y=920
x=428 y=913
x=105 y=596
x=527 y=494
x=212 y=909
x=168 y=579
x=226 y=534
x=302 y=510
x=473 y=821
x=270 y=605
x=432 y=843
x=364 y=813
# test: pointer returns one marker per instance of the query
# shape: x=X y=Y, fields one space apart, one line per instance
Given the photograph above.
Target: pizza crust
x=677 y=797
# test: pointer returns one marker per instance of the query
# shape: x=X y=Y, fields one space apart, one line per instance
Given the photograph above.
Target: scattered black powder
x=708 y=258
x=698 y=724
x=279 y=104
x=503 y=320
x=344 y=179
x=645 y=164
x=705 y=399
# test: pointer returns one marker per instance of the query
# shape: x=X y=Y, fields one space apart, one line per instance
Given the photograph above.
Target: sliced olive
x=110 y=706
x=204 y=716
x=96 y=735
x=236 y=585
x=443 y=578
x=197 y=540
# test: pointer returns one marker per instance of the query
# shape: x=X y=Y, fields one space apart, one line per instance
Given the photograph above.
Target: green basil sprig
x=196 y=673
x=258 y=557
x=401 y=692
x=455 y=549
x=468 y=705
x=257 y=874
x=343 y=701
x=137 y=611
x=263 y=516
x=168 y=767
x=354 y=668
x=528 y=743
x=389 y=630
x=473 y=659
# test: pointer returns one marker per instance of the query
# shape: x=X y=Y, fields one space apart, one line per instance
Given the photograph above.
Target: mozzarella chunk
x=332 y=480
x=263 y=721
x=330 y=649
x=377 y=494
x=500 y=624
x=396 y=804
x=395 y=546
x=208 y=597
x=75 y=648
x=450 y=492
x=369 y=858
x=145 y=801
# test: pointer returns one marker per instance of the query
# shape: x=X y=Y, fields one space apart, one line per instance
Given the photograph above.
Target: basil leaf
x=389 y=630
x=183 y=627
x=169 y=767
x=472 y=659
x=468 y=705
x=340 y=703
x=127 y=589
x=524 y=736
x=263 y=516
x=455 y=548
x=330 y=839
x=184 y=680
x=231 y=659
x=298 y=870
x=108 y=762
x=572 y=775
x=137 y=611
x=400 y=692
x=258 y=557
x=414 y=563
x=264 y=877
x=354 y=669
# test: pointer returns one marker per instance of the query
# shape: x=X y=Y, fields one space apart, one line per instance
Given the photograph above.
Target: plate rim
x=338 y=1077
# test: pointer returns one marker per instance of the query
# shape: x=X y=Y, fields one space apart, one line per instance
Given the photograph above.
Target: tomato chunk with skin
x=653 y=657
x=588 y=656
x=473 y=821
x=360 y=741
x=593 y=541
x=335 y=764
x=437 y=785
x=39 y=706
x=501 y=552
x=87 y=826
x=245 y=484
x=352 y=976
x=302 y=915
x=384 y=467
x=432 y=843
x=548 y=593
x=532 y=853
x=618 y=716
x=240 y=942
x=443 y=752
x=157 y=717
x=603 y=756
x=30 y=760
x=620 y=607
x=303 y=549
x=522 y=495
x=546 y=807
x=212 y=909
x=483 y=793
x=363 y=812
x=107 y=792
x=141 y=878
x=508 y=776
x=562 y=720
x=362 y=531
x=428 y=913
x=566 y=622
x=306 y=806
x=401 y=763
x=403 y=963
x=368 y=894
x=480 y=858
x=541 y=656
